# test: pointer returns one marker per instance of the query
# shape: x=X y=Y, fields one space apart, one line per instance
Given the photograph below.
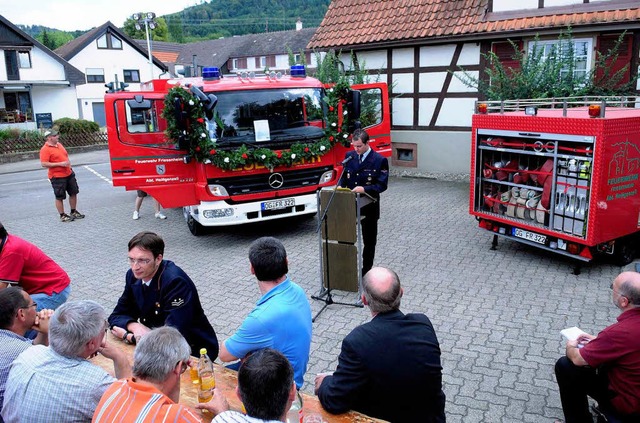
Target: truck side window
x=371 y=107
x=142 y=118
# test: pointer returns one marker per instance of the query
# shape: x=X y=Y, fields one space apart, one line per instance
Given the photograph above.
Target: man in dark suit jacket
x=366 y=172
x=159 y=293
x=389 y=368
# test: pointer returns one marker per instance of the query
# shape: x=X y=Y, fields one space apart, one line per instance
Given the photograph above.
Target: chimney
x=298 y=24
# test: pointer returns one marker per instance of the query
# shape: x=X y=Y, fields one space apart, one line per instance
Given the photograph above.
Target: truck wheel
x=194 y=227
x=626 y=251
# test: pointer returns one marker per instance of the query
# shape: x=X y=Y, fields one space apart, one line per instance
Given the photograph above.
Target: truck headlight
x=326 y=177
x=218 y=190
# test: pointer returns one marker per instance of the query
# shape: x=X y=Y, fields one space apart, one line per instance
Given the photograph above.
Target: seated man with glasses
x=58 y=383
x=159 y=359
x=159 y=293
x=606 y=367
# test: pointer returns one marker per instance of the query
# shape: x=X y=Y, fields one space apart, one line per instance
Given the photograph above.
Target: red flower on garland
x=197 y=148
x=306 y=149
x=212 y=151
x=331 y=138
x=244 y=156
x=279 y=154
x=200 y=120
x=331 y=108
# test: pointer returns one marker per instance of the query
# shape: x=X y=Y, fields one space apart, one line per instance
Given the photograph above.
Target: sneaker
x=136 y=215
x=77 y=215
x=159 y=215
x=66 y=218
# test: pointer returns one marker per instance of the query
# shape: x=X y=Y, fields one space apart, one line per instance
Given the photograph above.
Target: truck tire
x=195 y=228
x=626 y=250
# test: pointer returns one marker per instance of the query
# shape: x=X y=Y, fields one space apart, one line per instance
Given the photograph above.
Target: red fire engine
x=561 y=175
x=270 y=113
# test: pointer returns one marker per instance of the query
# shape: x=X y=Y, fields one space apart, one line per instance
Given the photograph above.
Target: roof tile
x=356 y=22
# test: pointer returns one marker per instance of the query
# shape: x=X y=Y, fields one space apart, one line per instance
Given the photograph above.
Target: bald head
x=628 y=285
x=382 y=290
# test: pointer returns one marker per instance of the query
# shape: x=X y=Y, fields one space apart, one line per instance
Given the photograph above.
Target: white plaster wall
x=551 y=3
x=425 y=111
x=456 y=86
x=470 y=54
x=436 y=55
x=402 y=58
x=504 y=5
x=431 y=82
x=113 y=62
x=439 y=151
x=403 y=83
x=376 y=59
x=60 y=102
x=402 y=111
x=456 y=112
x=43 y=67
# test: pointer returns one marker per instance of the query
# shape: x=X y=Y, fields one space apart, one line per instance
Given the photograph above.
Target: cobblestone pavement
x=497 y=313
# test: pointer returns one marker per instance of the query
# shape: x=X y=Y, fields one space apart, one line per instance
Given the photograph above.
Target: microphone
x=346 y=160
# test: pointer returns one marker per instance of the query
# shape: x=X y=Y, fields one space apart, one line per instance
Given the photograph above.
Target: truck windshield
x=268 y=116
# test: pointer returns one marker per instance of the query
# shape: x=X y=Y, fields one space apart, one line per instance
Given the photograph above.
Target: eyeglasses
x=35 y=305
x=616 y=291
x=143 y=262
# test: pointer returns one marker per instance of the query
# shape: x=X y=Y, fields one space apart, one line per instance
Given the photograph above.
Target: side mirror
x=354 y=109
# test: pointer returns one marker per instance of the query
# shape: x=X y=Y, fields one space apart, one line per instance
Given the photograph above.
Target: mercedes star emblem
x=276 y=180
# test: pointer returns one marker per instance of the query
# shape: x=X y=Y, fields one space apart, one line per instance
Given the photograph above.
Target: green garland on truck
x=196 y=135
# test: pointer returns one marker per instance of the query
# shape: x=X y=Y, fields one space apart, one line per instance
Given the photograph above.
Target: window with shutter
x=606 y=43
x=506 y=54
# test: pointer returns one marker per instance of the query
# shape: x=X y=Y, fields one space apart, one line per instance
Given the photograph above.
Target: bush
x=76 y=126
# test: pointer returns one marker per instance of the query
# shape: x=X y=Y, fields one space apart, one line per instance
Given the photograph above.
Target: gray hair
x=158 y=352
x=73 y=324
x=382 y=301
x=631 y=291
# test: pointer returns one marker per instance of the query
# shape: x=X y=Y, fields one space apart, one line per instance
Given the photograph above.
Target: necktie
x=360 y=158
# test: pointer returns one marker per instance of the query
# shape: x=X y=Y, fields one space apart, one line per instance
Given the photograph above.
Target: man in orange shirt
x=54 y=157
x=152 y=394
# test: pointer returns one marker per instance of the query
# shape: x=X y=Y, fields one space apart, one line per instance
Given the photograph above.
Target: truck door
x=375 y=117
x=141 y=155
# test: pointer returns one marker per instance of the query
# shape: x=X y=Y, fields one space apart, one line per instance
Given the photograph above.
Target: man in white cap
x=54 y=157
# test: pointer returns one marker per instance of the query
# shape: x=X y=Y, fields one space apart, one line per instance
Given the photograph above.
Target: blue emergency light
x=298 y=71
x=209 y=74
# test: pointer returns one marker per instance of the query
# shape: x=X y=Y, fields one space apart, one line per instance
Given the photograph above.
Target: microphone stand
x=325 y=295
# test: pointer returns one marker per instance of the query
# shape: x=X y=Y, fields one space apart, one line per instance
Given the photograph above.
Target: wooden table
x=226 y=381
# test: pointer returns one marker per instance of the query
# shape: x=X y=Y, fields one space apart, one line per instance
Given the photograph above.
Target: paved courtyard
x=497 y=313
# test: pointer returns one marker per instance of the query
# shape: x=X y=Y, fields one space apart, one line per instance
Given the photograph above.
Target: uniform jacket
x=170 y=299
x=372 y=174
x=389 y=368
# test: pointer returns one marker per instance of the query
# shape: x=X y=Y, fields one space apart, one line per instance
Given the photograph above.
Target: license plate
x=529 y=236
x=277 y=204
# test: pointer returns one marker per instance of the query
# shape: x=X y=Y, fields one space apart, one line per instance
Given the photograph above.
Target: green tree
x=176 y=33
x=549 y=73
x=46 y=40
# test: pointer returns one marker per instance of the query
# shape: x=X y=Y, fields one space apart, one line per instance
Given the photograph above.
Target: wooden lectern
x=341 y=240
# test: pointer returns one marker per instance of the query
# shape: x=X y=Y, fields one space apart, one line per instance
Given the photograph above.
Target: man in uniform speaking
x=366 y=171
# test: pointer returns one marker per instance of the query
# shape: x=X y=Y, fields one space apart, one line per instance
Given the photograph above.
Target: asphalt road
x=497 y=313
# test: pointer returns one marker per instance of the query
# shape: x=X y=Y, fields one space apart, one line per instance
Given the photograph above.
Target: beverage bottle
x=295 y=414
x=207 y=378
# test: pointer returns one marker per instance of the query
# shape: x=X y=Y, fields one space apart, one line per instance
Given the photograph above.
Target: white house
x=105 y=54
x=36 y=86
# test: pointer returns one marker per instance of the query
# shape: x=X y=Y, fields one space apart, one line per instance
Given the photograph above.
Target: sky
x=71 y=15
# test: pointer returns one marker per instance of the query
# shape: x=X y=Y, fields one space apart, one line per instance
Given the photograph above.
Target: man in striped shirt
x=152 y=394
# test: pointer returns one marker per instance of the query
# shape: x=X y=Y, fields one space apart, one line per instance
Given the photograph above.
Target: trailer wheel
x=195 y=228
x=626 y=250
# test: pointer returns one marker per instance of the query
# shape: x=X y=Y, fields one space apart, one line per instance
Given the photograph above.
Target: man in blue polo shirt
x=282 y=317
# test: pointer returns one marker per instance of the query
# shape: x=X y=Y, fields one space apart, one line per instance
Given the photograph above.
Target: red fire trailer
x=564 y=178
